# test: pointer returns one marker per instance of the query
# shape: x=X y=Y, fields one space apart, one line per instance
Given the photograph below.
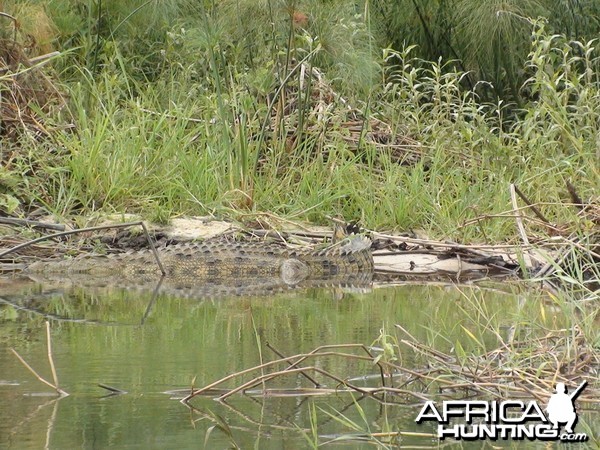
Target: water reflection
x=153 y=345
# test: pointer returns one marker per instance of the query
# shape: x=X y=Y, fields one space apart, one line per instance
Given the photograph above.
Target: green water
x=151 y=346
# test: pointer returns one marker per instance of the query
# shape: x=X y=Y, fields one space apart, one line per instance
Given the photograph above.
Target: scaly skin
x=221 y=268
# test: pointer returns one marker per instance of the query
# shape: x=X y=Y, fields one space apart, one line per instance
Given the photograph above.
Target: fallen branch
x=533 y=208
x=295 y=359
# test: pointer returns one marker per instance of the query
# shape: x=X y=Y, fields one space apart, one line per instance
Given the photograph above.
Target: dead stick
x=82 y=230
x=531 y=205
x=281 y=355
x=267 y=377
x=50 y=358
x=32 y=223
x=272 y=363
x=317 y=351
x=39 y=377
x=520 y=227
x=293 y=366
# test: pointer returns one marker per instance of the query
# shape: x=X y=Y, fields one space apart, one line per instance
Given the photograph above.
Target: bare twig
x=281 y=355
x=50 y=358
x=39 y=377
x=270 y=376
x=297 y=359
x=32 y=223
x=112 y=389
x=520 y=227
x=533 y=208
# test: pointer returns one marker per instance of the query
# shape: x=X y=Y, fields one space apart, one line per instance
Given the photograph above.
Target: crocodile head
x=293 y=271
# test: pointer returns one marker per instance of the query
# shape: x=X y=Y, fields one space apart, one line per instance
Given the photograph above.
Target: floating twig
x=112 y=389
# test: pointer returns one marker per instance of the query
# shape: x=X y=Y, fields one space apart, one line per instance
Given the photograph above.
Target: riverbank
x=559 y=263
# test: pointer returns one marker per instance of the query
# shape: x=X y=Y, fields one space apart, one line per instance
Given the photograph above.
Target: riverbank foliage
x=175 y=107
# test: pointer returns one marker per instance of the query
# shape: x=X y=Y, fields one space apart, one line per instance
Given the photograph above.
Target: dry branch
x=295 y=359
x=31 y=223
x=528 y=368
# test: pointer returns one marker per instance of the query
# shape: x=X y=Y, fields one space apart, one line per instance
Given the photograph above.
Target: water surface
x=151 y=346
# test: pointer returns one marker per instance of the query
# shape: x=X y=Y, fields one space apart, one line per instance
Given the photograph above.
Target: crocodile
x=218 y=268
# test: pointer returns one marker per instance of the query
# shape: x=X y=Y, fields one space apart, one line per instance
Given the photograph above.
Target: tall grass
x=488 y=37
x=194 y=141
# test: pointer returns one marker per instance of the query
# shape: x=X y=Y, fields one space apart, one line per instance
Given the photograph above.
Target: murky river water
x=150 y=347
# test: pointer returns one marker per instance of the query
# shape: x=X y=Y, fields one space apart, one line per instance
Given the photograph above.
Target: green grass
x=193 y=139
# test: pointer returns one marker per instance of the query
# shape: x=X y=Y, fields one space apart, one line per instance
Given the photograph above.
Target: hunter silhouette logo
x=561 y=408
x=511 y=419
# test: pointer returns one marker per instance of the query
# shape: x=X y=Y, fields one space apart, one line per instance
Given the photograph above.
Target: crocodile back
x=222 y=265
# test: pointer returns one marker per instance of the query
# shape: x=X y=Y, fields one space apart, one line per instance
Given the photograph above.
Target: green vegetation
x=181 y=109
x=489 y=38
